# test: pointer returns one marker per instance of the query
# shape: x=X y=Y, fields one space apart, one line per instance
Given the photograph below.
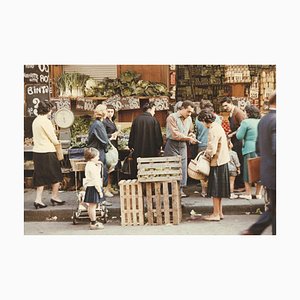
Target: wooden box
x=163 y=202
x=154 y=169
x=131 y=202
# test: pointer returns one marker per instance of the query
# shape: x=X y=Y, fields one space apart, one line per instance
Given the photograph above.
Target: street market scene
x=150 y=149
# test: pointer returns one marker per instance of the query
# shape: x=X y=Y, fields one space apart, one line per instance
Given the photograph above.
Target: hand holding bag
x=59 y=152
x=127 y=164
x=254 y=169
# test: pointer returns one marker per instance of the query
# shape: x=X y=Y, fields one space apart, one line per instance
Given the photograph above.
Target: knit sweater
x=44 y=137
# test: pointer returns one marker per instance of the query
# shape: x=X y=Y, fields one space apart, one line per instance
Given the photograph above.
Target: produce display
x=79 y=129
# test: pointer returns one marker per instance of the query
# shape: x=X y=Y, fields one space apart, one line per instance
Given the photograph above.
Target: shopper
x=145 y=137
x=179 y=131
x=97 y=138
x=94 y=185
x=236 y=116
x=218 y=155
x=247 y=133
x=47 y=169
x=266 y=148
x=234 y=169
x=112 y=134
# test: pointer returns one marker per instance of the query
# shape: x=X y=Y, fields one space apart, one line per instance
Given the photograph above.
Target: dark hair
x=206 y=104
x=148 y=105
x=44 y=107
x=186 y=103
x=252 y=112
x=90 y=153
x=206 y=116
x=225 y=99
x=272 y=99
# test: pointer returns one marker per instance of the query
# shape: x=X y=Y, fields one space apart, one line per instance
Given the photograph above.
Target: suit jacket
x=266 y=148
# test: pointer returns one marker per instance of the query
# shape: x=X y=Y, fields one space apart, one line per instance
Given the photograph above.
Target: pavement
x=194 y=202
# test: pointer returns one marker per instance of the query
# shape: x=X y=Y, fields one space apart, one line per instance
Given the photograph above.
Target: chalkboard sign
x=36 y=74
x=34 y=93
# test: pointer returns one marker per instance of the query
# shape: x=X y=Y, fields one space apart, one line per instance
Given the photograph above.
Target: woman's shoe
x=96 y=226
x=233 y=196
x=55 y=202
x=212 y=218
x=221 y=216
x=39 y=205
x=258 y=196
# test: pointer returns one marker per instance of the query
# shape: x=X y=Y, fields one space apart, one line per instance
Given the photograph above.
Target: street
x=231 y=225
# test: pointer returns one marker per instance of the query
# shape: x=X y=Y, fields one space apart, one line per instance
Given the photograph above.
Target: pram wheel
x=74 y=218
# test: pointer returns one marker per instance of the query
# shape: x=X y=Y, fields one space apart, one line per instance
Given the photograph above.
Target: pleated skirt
x=92 y=195
x=218 y=182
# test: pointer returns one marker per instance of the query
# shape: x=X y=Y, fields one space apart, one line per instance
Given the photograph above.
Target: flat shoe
x=244 y=196
x=221 y=216
x=212 y=218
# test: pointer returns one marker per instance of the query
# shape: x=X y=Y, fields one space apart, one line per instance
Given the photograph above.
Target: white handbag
x=203 y=165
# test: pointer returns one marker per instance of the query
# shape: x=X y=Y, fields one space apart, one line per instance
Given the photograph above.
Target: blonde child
x=234 y=169
x=94 y=185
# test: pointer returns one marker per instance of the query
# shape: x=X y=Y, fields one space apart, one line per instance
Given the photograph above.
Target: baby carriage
x=81 y=212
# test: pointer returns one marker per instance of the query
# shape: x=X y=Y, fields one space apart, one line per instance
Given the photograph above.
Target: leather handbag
x=59 y=152
x=127 y=164
x=199 y=167
x=254 y=169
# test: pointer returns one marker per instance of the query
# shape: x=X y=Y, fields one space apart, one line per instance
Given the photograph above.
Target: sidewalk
x=194 y=202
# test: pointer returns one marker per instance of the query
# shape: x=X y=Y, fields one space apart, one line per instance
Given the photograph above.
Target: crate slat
x=159 y=159
x=161 y=179
x=131 y=202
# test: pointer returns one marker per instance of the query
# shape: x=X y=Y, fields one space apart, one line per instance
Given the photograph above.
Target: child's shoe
x=245 y=196
x=96 y=226
x=233 y=196
x=258 y=196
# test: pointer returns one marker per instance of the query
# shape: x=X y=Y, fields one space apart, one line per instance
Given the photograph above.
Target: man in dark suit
x=236 y=116
x=145 y=136
x=266 y=149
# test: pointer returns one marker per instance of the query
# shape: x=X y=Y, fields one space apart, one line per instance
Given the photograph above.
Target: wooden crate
x=153 y=169
x=163 y=202
x=131 y=202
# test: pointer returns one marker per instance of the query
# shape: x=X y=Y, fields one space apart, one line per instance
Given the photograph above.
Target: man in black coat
x=145 y=136
x=266 y=149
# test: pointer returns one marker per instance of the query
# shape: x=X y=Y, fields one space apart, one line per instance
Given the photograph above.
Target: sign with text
x=34 y=93
x=61 y=103
x=36 y=74
x=86 y=105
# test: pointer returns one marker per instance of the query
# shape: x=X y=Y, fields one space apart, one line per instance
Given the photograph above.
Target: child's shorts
x=232 y=173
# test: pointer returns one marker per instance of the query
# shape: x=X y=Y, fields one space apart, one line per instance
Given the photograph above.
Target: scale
x=64 y=119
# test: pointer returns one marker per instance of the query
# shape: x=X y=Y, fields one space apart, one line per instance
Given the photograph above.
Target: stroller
x=81 y=212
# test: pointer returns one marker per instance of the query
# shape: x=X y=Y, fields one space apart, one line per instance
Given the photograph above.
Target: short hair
x=90 y=153
x=44 y=107
x=225 y=99
x=147 y=106
x=99 y=110
x=186 y=103
x=207 y=116
x=252 y=112
x=272 y=99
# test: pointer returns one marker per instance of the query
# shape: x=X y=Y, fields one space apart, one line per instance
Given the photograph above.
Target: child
x=234 y=169
x=94 y=191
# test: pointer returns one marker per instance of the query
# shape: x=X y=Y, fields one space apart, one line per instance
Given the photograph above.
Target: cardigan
x=44 y=137
x=248 y=133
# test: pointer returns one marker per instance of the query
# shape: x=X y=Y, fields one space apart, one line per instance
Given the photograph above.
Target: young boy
x=234 y=168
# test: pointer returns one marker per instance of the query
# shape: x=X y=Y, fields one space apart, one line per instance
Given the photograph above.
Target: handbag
x=199 y=167
x=254 y=169
x=59 y=152
x=127 y=164
x=112 y=157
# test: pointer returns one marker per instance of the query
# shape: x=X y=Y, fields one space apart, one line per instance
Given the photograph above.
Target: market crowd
x=226 y=150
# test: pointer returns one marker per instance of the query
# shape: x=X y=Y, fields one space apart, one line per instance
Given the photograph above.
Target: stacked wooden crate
x=160 y=178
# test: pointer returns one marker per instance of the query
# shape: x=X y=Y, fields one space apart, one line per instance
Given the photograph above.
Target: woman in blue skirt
x=94 y=185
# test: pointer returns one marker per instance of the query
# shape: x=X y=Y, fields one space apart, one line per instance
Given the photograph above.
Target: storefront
x=77 y=89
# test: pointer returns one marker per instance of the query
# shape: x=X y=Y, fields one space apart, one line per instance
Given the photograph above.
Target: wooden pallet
x=155 y=169
x=131 y=202
x=163 y=202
